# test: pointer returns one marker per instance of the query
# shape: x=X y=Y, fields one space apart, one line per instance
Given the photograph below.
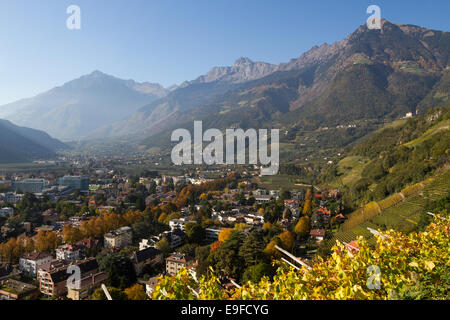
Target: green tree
x=120 y=270
x=116 y=294
x=202 y=255
x=194 y=232
x=252 y=250
x=285 y=194
x=256 y=272
x=163 y=245
x=228 y=261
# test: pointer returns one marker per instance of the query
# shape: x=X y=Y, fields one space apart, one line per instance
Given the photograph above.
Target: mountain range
x=78 y=107
x=371 y=74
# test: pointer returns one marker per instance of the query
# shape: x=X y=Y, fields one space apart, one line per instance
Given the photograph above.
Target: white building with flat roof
x=120 y=238
x=30 y=185
x=30 y=262
x=6 y=212
x=68 y=252
x=178 y=223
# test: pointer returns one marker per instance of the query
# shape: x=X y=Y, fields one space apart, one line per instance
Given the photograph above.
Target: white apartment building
x=178 y=223
x=68 y=252
x=119 y=238
x=212 y=234
x=13 y=198
x=175 y=241
x=30 y=262
x=6 y=212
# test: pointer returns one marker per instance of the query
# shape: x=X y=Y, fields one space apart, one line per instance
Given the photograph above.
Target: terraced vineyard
x=402 y=217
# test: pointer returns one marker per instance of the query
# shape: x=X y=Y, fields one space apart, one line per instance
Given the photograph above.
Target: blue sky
x=169 y=41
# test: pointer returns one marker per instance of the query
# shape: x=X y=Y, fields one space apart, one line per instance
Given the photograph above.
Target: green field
x=30 y=167
x=349 y=170
x=279 y=181
x=163 y=168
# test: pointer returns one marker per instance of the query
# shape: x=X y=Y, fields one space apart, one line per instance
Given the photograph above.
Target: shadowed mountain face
x=19 y=144
x=78 y=107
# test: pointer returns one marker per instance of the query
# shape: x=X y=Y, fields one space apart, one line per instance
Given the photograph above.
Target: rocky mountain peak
x=243 y=61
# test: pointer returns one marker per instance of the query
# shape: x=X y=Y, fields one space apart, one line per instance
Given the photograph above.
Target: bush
x=412 y=266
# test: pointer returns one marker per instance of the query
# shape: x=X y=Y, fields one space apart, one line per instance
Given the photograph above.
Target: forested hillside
x=399 y=155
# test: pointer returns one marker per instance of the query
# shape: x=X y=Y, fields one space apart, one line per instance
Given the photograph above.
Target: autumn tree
x=9 y=250
x=302 y=226
x=162 y=218
x=172 y=216
x=308 y=194
x=47 y=241
x=215 y=246
x=71 y=234
x=287 y=240
x=136 y=292
x=225 y=234
x=14 y=248
x=270 y=249
x=307 y=208
x=267 y=226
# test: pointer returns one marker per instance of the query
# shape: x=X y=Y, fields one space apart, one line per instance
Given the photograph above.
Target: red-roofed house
x=323 y=211
x=352 y=247
x=317 y=234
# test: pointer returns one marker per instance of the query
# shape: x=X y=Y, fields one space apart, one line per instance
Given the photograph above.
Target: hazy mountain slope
x=18 y=144
x=40 y=137
x=80 y=106
x=189 y=95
